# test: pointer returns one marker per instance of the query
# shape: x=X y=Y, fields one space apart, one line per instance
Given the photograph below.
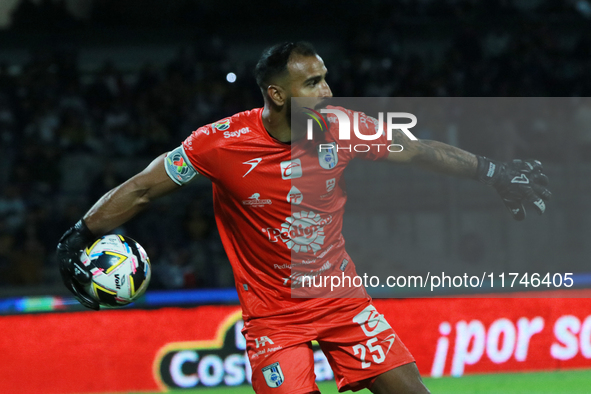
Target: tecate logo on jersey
x=303 y=232
x=237 y=133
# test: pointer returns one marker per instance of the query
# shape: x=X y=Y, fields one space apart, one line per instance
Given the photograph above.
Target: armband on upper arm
x=178 y=167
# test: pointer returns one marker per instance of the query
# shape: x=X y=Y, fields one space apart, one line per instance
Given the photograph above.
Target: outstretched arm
x=435 y=156
x=516 y=182
x=128 y=199
x=112 y=210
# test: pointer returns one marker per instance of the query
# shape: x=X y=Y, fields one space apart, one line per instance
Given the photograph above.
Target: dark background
x=91 y=91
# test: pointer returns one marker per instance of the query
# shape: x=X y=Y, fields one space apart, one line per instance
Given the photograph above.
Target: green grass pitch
x=561 y=382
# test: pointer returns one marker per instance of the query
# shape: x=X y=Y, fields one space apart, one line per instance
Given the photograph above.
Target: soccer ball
x=120 y=270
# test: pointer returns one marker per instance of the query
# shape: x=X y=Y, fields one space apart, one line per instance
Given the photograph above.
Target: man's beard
x=323 y=103
x=297 y=122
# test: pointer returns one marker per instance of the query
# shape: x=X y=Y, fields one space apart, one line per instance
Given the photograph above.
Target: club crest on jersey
x=273 y=375
x=222 y=125
x=328 y=156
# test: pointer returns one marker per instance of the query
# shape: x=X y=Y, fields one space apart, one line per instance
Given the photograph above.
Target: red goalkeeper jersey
x=279 y=207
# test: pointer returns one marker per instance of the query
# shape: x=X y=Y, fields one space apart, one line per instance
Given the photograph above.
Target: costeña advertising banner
x=169 y=348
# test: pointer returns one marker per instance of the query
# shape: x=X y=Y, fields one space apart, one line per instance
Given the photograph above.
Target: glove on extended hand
x=516 y=182
x=74 y=274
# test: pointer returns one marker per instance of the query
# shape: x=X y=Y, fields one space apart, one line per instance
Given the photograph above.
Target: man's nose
x=326 y=92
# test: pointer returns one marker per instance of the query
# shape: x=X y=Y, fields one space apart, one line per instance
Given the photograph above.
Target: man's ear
x=277 y=95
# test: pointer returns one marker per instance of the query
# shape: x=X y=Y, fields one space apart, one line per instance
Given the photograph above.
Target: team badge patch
x=328 y=156
x=273 y=375
x=222 y=125
x=178 y=167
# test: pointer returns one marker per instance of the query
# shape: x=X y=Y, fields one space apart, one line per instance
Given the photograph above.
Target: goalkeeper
x=254 y=154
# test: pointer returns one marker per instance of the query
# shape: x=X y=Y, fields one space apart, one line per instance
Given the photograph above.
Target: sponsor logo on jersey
x=372 y=323
x=291 y=169
x=273 y=375
x=304 y=261
x=222 y=125
x=293 y=264
x=302 y=232
x=253 y=163
x=263 y=341
x=237 y=133
x=328 y=156
x=390 y=339
x=255 y=201
x=295 y=196
x=344 y=264
x=299 y=277
x=330 y=184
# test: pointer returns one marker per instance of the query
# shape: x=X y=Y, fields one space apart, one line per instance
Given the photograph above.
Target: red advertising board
x=150 y=350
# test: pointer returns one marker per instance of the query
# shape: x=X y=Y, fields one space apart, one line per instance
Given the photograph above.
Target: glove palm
x=74 y=274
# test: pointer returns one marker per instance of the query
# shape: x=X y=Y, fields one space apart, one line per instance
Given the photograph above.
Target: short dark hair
x=273 y=61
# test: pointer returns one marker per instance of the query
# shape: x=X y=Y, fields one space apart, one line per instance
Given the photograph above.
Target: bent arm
x=126 y=200
x=435 y=156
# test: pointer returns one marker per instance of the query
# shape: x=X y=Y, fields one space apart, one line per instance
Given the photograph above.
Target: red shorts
x=359 y=345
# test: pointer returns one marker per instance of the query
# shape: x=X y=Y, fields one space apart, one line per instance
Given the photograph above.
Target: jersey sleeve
x=178 y=167
x=200 y=150
x=378 y=148
x=358 y=148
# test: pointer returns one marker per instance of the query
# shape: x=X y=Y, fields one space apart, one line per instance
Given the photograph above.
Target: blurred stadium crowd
x=57 y=120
